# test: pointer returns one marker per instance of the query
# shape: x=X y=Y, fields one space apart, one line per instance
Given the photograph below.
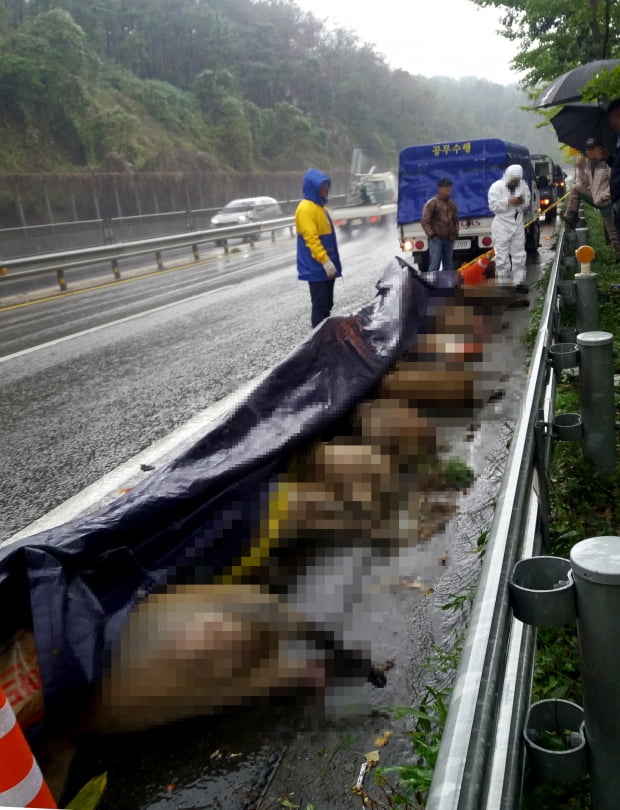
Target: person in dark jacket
x=440 y=221
x=318 y=260
x=613 y=114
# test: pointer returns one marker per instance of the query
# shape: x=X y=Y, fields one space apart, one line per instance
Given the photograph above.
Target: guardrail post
x=273 y=235
x=196 y=253
x=586 y=300
x=596 y=572
x=596 y=394
x=116 y=269
x=159 y=260
x=582 y=236
x=542 y=459
x=292 y=231
x=569 y=264
x=226 y=248
x=570 y=242
x=62 y=281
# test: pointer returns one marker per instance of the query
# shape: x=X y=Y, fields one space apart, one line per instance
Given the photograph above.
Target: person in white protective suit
x=508 y=199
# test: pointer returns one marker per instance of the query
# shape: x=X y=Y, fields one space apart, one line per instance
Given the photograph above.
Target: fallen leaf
x=383 y=739
x=372 y=757
x=89 y=797
x=124 y=490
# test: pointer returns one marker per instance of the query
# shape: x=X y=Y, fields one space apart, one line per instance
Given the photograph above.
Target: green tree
x=556 y=35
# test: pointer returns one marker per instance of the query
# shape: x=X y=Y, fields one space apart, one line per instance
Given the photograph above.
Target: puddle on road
x=251 y=758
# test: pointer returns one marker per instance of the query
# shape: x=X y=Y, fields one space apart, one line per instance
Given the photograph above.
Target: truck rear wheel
x=421 y=259
x=551 y=216
x=346 y=229
x=532 y=239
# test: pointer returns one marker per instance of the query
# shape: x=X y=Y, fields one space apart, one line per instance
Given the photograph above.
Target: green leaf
x=90 y=795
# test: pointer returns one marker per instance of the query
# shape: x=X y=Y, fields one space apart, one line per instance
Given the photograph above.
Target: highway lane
x=15 y=288
x=88 y=380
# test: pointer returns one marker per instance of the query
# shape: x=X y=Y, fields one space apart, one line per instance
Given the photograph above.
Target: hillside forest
x=220 y=85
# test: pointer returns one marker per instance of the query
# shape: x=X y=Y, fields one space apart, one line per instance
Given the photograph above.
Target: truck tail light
x=486 y=241
x=373 y=219
x=407 y=244
x=419 y=245
x=339 y=222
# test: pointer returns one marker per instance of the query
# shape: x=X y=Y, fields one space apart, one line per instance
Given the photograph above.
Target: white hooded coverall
x=507 y=228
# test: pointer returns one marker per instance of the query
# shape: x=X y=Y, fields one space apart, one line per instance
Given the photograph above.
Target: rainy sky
x=428 y=37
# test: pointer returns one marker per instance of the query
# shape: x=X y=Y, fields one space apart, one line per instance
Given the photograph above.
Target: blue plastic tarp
x=196 y=517
x=471 y=165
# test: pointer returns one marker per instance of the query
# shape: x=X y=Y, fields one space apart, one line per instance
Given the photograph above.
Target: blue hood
x=313 y=180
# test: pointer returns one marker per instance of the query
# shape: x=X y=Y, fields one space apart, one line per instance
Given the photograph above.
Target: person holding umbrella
x=594 y=189
x=613 y=116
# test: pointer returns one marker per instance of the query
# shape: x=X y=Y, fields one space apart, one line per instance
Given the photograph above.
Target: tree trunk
x=595 y=28
x=607 y=25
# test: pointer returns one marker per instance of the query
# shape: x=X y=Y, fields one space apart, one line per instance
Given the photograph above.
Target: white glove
x=330 y=268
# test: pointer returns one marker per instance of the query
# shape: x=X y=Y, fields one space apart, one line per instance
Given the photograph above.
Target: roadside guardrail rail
x=480 y=765
x=59 y=262
x=481 y=758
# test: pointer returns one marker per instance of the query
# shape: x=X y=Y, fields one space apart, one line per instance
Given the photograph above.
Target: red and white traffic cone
x=473 y=272
x=21 y=780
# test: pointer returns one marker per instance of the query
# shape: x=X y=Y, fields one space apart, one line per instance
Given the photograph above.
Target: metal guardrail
x=481 y=757
x=28 y=240
x=61 y=261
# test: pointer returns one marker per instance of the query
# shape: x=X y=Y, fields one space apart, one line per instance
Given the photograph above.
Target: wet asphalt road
x=89 y=379
x=115 y=390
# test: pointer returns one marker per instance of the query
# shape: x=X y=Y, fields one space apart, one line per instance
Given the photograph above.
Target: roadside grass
x=582 y=505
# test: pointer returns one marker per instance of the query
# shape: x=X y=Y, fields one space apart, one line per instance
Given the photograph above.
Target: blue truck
x=472 y=166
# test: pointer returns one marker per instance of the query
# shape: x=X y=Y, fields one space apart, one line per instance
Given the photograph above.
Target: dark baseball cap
x=593 y=143
x=444 y=182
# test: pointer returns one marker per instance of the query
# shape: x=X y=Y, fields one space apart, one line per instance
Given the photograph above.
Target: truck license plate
x=462 y=244
x=355 y=222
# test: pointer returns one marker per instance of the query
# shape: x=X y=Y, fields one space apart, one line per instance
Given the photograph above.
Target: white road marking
x=50 y=343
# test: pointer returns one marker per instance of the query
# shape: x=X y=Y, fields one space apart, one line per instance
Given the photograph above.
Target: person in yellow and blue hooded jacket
x=318 y=260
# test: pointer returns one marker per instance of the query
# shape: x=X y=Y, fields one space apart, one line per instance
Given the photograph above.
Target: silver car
x=245 y=211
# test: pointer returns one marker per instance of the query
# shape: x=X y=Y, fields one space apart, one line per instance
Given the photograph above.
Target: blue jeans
x=440 y=252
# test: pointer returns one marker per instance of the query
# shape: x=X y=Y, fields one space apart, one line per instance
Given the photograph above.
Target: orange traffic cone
x=473 y=272
x=21 y=780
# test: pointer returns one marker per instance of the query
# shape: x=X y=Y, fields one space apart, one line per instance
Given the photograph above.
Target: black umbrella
x=575 y=123
x=569 y=85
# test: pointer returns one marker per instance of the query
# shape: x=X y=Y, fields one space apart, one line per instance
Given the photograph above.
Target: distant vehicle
x=370 y=200
x=546 y=176
x=472 y=166
x=246 y=211
x=559 y=178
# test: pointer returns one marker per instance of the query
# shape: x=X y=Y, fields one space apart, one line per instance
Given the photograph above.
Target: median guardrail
x=62 y=261
x=481 y=758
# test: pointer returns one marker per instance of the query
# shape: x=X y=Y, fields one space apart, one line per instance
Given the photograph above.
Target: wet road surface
x=88 y=380
x=120 y=388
